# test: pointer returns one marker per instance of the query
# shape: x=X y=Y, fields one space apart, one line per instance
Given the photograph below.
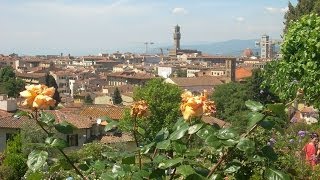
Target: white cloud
x=240 y=19
x=274 y=10
x=179 y=11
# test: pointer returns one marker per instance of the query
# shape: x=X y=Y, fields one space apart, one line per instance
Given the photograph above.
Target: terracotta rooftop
x=12 y=122
x=131 y=75
x=112 y=112
x=242 y=73
x=78 y=121
x=31 y=75
x=108 y=139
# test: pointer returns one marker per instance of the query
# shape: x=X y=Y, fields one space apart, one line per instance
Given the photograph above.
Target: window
x=72 y=139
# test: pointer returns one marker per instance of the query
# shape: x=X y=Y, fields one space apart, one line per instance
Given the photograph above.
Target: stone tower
x=177 y=37
x=231 y=70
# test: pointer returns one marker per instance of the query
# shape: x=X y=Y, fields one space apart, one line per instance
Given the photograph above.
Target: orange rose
x=195 y=106
x=38 y=96
x=139 y=109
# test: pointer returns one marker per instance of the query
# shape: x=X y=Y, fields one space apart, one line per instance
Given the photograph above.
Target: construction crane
x=147 y=43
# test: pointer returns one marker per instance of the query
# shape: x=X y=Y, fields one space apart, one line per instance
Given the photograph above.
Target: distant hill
x=233 y=47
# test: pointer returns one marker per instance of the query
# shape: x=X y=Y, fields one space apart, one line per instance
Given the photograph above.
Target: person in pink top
x=310 y=150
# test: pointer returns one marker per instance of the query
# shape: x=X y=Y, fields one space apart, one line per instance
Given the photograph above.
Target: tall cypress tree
x=303 y=7
x=116 y=98
x=51 y=82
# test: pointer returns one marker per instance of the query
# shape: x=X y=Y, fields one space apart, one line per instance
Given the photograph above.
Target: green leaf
x=179 y=133
x=278 y=109
x=257 y=158
x=179 y=123
x=232 y=169
x=106 y=118
x=111 y=125
x=226 y=133
x=169 y=163
x=64 y=127
x=157 y=174
x=246 y=145
x=47 y=118
x=266 y=124
x=229 y=142
x=129 y=159
x=254 y=105
x=56 y=142
x=272 y=174
x=35 y=175
x=195 y=177
x=21 y=113
x=214 y=142
x=141 y=174
x=269 y=153
x=141 y=131
x=205 y=132
x=98 y=165
x=83 y=167
x=145 y=149
x=162 y=135
x=163 y=144
x=158 y=159
x=193 y=129
x=37 y=159
x=106 y=176
x=201 y=170
x=179 y=147
x=185 y=170
x=254 y=118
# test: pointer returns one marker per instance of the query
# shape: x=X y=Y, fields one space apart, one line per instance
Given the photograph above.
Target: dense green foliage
x=31 y=136
x=163 y=100
x=260 y=94
x=51 y=82
x=116 y=97
x=230 y=102
x=9 y=84
x=14 y=165
x=303 y=7
x=180 y=73
x=299 y=66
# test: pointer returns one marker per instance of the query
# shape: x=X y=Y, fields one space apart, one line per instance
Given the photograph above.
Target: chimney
x=7 y=104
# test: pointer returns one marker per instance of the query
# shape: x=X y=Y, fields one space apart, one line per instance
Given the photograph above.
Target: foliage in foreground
x=299 y=67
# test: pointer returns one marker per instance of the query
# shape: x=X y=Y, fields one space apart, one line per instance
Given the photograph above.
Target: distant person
x=310 y=150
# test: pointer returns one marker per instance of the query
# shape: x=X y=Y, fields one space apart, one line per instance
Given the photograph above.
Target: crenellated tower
x=177 y=37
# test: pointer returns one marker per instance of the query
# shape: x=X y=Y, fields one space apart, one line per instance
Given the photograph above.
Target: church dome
x=247 y=52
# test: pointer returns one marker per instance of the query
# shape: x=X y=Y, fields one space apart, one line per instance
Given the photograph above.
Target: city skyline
x=88 y=27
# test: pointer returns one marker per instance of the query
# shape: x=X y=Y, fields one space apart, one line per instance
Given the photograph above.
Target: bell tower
x=177 y=37
x=230 y=70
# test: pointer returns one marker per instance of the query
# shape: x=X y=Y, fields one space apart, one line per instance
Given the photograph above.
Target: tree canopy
x=163 y=100
x=299 y=66
x=51 y=82
x=88 y=99
x=302 y=8
x=116 y=97
x=9 y=83
x=230 y=102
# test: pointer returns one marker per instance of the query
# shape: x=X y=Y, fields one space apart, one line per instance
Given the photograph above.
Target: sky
x=92 y=26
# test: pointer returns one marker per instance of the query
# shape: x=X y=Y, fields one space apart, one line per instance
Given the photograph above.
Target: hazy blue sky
x=91 y=26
